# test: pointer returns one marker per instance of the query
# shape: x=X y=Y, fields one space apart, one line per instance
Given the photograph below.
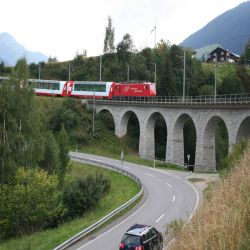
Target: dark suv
x=141 y=237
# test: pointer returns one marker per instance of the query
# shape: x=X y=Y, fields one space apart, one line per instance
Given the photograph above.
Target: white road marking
x=169 y=185
x=160 y=218
x=173 y=198
x=111 y=229
x=150 y=175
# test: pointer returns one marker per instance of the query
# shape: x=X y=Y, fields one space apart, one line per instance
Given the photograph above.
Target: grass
x=122 y=189
x=194 y=180
x=223 y=220
x=111 y=146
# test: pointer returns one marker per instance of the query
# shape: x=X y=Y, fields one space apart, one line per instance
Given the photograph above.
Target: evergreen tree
x=50 y=161
x=63 y=143
x=109 y=38
x=246 y=55
x=1 y=68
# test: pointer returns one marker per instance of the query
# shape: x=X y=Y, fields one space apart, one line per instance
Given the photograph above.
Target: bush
x=82 y=194
x=32 y=203
x=230 y=162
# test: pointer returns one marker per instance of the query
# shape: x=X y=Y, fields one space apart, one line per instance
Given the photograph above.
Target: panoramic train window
x=90 y=87
x=46 y=85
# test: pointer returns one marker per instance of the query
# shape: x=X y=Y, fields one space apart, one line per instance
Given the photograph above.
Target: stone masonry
x=205 y=119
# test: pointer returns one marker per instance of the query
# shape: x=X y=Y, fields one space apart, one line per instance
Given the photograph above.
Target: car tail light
x=139 y=248
x=122 y=246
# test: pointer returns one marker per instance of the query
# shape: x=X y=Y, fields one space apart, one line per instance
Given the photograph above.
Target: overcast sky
x=62 y=27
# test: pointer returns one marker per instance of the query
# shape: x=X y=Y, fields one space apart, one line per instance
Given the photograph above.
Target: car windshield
x=131 y=240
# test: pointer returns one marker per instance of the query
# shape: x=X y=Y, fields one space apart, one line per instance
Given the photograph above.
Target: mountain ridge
x=11 y=51
x=230 y=29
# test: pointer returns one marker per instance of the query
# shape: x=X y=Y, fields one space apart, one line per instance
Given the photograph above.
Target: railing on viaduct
x=230 y=99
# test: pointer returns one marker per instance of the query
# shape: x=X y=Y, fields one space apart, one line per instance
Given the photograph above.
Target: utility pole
x=155 y=72
x=155 y=35
x=215 y=79
x=69 y=72
x=184 y=76
x=100 y=68
x=93 y=127
x=127 y=72
x=183 y=58
x=154 y=30
x=39 y=71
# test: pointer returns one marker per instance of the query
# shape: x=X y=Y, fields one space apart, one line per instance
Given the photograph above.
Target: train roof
x=44 y=81
x=91 y=82
x=135 y=82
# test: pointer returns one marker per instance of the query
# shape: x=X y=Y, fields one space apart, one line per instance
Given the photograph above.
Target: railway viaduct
x=205 y=114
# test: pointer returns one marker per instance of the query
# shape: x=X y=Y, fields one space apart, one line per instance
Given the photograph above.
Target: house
x=220 y=54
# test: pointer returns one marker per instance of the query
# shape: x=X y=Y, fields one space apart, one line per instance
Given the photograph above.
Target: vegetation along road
x=168 y=196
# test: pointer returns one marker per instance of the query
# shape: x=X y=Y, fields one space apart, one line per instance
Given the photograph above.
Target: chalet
x=219 y=54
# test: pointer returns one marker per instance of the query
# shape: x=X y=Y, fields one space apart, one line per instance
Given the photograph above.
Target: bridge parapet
x=209 y=101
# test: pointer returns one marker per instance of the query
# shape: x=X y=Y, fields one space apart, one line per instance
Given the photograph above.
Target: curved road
x=168 y=196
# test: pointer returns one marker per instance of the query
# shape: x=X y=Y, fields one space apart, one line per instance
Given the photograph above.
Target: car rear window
x=130 y=240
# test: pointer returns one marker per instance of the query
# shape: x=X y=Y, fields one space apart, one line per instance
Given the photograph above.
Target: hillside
x=11 y=51
x=230 y=29
x=222 y=221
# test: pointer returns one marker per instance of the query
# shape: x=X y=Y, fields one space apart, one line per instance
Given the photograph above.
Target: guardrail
x=91 y=228
x=231 y=99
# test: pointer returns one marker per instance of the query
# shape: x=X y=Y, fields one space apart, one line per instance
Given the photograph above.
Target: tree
x=7 y=134
x=246 y=55
x=21 y=140
x=244 y=76
x=50 y=161
x=63 y=143
x=125 y=47
x=32 y=203
x=109 y=38
x=231 y=84
x=1 y=68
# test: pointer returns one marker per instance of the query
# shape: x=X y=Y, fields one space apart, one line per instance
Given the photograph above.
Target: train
x=91 y=89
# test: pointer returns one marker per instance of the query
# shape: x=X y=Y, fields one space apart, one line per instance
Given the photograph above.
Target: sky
x=62 y=28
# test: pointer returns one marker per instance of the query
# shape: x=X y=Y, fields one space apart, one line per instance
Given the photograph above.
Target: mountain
x=231 y=29
x=11 y=51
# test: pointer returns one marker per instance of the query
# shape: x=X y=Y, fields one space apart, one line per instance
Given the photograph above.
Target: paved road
x=168 y=196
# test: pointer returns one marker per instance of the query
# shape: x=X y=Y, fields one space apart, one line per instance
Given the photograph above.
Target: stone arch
x=244 y=129
x=109 y=119
x=149 y=134
x=209 y=149
x=123 y=124
x=178 y=139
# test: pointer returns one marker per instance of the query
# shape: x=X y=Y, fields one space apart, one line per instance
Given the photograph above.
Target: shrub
x=32 y=203
x=82 y=194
